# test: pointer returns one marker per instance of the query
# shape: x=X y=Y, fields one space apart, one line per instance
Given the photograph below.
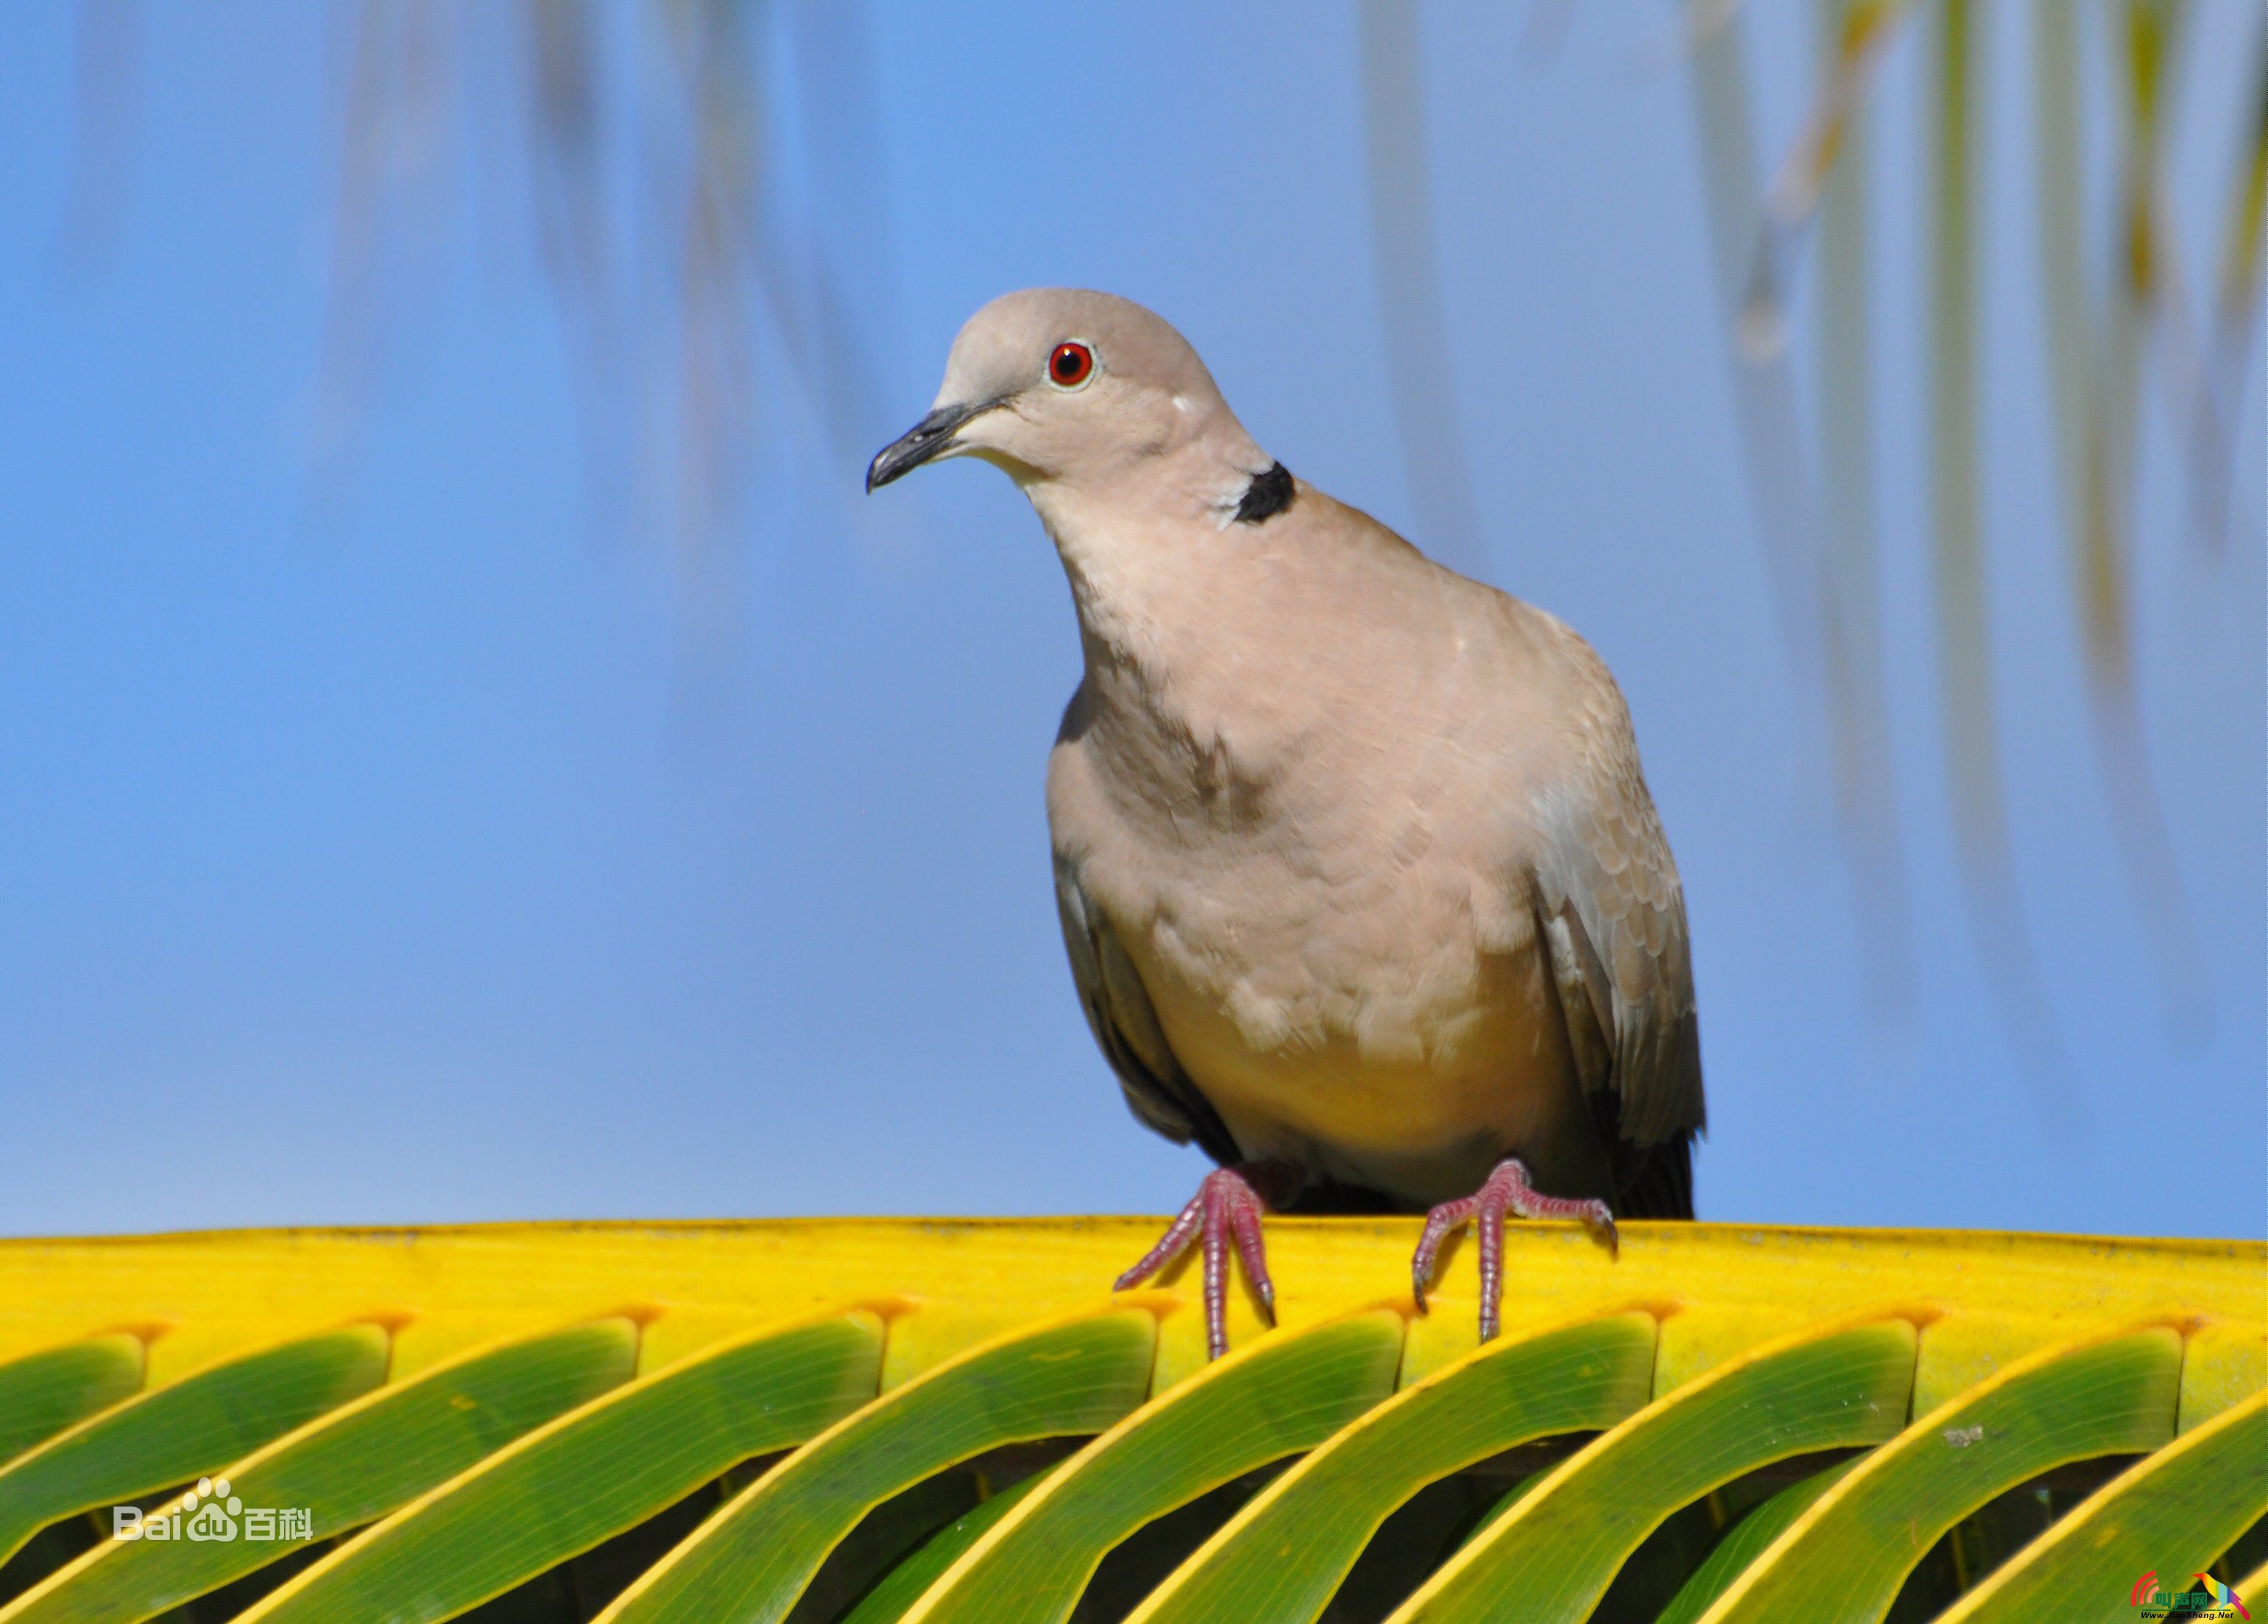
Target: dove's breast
x=1337 y=933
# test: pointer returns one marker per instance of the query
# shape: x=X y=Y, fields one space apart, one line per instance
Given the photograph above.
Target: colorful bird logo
x=2222 y=1596
x=2146 y=1594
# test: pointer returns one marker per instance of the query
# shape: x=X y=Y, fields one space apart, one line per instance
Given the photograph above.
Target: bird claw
x=1506 y=1194
x=1226 y=1211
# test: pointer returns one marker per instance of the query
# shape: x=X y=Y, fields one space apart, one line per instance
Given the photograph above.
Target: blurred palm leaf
x=1854 y=35
x=1722 y=1425
x=1850 y=606
x=2145 y=290
x=109 y=54
x=1420 y=370
x=1764 y=392
x=1964 y=649
x=1819 y=564
x=2096 y=354
x=705 y=291
x=2236 y=308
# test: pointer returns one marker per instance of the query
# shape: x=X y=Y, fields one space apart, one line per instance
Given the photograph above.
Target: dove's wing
x=1125 y=1026
x=1614 y=913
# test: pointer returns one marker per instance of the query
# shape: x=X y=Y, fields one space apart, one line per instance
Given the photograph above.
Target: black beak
x=927 y=439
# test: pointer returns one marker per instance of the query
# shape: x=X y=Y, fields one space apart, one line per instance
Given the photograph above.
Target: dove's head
x=1081 y=394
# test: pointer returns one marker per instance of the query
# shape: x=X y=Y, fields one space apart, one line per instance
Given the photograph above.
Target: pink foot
x=1225 y=1209
x=1507 y=1194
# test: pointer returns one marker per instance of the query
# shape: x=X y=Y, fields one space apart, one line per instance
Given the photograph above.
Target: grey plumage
x=1357 y=867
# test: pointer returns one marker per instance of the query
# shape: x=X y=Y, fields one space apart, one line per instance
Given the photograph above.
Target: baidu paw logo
x=211 y=1509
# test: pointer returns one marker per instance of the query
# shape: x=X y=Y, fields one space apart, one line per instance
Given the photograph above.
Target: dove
x=1361 y=884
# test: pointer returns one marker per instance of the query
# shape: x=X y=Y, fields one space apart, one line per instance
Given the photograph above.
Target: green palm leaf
x=350 y=1467
x=1749 y=1539
x=175 y=1433
x=752 y=1560
x=592 y=1473
x=894 y=1595
x=1283 y=1394
x=42 y=1393
x=1844 y=1559
x=2177 y=1510
x=1552 y=1556
x=1281 y=1557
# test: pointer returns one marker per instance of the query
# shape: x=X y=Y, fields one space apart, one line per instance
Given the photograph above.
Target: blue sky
x=359 y=862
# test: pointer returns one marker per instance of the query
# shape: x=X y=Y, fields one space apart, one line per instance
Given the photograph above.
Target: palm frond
x=886 y=1421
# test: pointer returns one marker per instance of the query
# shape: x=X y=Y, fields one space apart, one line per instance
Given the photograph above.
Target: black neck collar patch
x=1268 y=495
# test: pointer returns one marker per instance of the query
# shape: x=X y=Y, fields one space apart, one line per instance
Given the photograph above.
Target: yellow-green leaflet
x=1843 y=1559
x=161 y=1439
x=1552 y=1556
x=42 y=1393
x=1280 y=1558
x=1277 y=1396
x=1747 y=1540
x=347 y=1468
x=2174 y=1512
x=752 y=1560
x=2253 y=1583
x=899 y=1589
x=592 y=1473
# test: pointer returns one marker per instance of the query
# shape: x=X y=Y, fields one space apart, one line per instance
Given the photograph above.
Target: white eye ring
x=1089 y=364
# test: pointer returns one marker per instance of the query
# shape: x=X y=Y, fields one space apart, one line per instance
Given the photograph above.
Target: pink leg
x=1225 y=1211
x=1506 y=1194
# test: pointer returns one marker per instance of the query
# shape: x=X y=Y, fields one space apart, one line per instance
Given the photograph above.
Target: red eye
x=1071 y=365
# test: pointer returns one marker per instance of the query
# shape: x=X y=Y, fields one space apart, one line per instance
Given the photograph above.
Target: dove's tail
x=1661 y=1184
